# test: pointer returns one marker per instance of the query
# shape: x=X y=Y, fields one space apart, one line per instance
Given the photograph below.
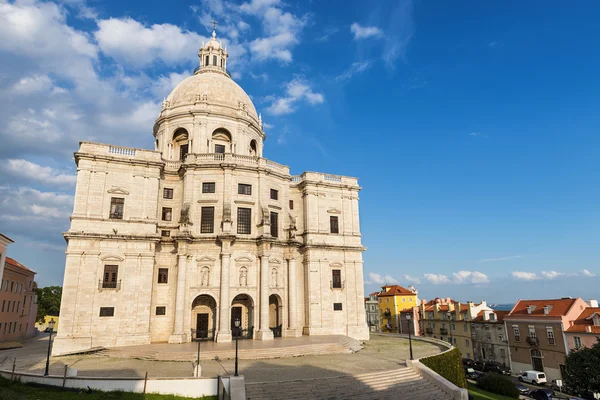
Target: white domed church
x=184 y=242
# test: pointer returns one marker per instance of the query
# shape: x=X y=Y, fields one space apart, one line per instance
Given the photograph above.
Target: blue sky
x=472 y=126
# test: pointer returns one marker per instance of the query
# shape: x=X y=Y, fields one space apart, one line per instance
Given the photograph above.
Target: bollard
x=145 y=381
x=12 y=374
x=65 y=375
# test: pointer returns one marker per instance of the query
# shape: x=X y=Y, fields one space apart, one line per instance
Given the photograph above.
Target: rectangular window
x=107 y=311
x=502 y=353
x=577 y=341
x=208 y=187
x=550 y=334
x=161 y=310
x=274 y=194
x=167 y=213
x=244 y=189
x=215 y=61
x=3 y=304
x=116 y=208
x=220 y=148
x=274 y=225
x=183 y=150
x=291 y=204
x=532 y=333
x=110 y=276
x=206 y=62
x=333 y=224
x=337 y=306
x=163 y=275
x=336 y=279
x=165 y=233
x=465 y=327
x=467 y=342
x=516 y=333
x=207 y=220
x=243 y=221
x=167 y=193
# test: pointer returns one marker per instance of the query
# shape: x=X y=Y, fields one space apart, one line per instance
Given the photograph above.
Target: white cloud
x=412 y=279
x=551 y=274
x=525 y=276
x=470 y=277
x=128 y=41
x=28 y=170
x=327 y=34
x=363 y=32
x=27 y=204
x=437 y=279
x=296 y=90
x=355 y=68
x=255 y=6
x=379 y=280
x=585 y=272
x=166 y=83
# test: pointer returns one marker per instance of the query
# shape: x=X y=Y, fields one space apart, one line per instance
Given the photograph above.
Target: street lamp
x=450 y=326
x=409 y=318
x=51 y=326
x=236 y=323
x=198 y=361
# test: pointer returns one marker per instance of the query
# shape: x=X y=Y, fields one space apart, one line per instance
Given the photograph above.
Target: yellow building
x=42 y=326
x=392 y=300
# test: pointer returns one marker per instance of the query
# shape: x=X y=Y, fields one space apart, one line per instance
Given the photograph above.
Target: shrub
x=498 y=384
x=449 y=365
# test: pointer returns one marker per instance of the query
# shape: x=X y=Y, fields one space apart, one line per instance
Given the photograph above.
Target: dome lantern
x=213 y=56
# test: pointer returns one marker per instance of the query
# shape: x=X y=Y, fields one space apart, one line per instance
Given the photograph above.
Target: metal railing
x=428 y=330
x=337 y=284
x=109 y=285
x=443 y=331
x=532 y=341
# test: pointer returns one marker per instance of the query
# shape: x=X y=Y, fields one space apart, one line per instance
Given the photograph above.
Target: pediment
x=274 y=261
x=117 y=190
x=205 y=259
x=111 y=258
x=334 y=211
x=336 y=265
x=243 y=260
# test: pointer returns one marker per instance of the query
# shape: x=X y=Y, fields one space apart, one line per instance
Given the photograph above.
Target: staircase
x=402 y=383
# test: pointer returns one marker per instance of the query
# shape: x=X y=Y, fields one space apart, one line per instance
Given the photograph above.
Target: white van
x=533 y=377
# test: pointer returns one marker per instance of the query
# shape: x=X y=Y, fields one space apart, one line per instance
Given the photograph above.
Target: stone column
x=292 y=298
x=264 y=332
x=179 y=335
x=224 y=333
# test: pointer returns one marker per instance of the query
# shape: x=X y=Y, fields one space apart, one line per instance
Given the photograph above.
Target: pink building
x=18 y=302
x=585 y=330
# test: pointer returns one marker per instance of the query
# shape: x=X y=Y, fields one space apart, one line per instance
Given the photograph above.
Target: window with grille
x=161 y=310
x=207 y=220
x=577 y=341
x=274 y=194
x=165 y=233
x=116 y=207
x=244 y=220
x=163 y=275
x=550 y=334
x=244 y=189
x=517 y=333
x=274 y=224
x=532 y=333
x=333 y=225
x=336 y=279
x=183 y=150
x=111 y=273
x=337 y=306
x=208 y=187
x=107 y=311
x=167 y=193
x=291 y=204
x=220 y=148
x=167 y=213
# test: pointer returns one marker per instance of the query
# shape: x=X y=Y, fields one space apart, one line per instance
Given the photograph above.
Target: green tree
x=48 y=301
x=583 y=369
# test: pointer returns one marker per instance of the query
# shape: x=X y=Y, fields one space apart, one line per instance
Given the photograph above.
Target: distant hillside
x=502 y=307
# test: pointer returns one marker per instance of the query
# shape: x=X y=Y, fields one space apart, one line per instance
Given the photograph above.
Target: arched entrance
x=242 y=307
x=275 y=320
x=537 y=360
x=204 y=318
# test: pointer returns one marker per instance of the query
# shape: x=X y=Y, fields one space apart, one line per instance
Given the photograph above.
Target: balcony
x=387 y=314
x=443 y=331
x=337 y=284
x=109 y=285
x=213 y=68
x=217 y=159
x=429 y=330
x=533 y=341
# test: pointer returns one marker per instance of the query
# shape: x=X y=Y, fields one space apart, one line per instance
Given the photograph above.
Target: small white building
x=175 y=244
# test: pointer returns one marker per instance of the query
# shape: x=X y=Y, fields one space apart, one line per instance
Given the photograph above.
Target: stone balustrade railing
x=319 y=177
x=131 y=153
x=218 y=158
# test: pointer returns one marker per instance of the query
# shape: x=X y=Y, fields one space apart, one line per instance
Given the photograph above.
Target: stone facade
x=18 y=302
x=177 y=243
x=490 y=339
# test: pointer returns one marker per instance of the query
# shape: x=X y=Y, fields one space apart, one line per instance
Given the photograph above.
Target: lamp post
x=198 y=361
x=237 y=333
x=450 y=327
x=409 y=318
x=51 y=326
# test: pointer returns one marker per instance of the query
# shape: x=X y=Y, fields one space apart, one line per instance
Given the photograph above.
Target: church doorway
x=242 y=307
x=204 y=317
x=275 y=323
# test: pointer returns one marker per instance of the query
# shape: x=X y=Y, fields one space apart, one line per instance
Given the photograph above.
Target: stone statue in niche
x=184 y=219
x=204 y=277
x=274 y=277
x=243 y=277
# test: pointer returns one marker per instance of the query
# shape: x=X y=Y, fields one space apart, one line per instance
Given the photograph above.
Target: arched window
x=215 y=61
x=181 y=142
x=253 y=150
x=221 y=140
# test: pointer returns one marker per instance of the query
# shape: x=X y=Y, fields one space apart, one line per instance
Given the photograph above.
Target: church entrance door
x=202 y=326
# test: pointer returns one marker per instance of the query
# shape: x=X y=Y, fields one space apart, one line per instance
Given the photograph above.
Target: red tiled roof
x=499 y=317
x=374 y=294
x=17 y=264
x=558 y=308
x=394 y=290
x=584 y=320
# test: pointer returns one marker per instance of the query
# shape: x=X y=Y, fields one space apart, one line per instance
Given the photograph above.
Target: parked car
x=479 y=365
x=467 y=362
x=496 y=367
x=542 y=394
x=524 y=390
x=564 y=388
x=533 y=377
x=472 y=374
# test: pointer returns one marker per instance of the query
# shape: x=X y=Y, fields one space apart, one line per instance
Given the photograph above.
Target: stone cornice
x=105 y=236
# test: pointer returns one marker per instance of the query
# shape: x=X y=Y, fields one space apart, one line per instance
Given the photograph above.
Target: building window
x=206 y=62
x=577 y=341
x=550 y=334
x=291 y=204
x=336 y=279
x=116 y=207
x=208 y=187
x=110 y=276
x=163 y=275
x=161 y=310
x=532 y=333
x=243 y=221
x=215 y=61
x=207 y=220
x=107 y=311
x=220 y=148
x=337 y=306
x=274 y=194
x=165 y=233
x=404 y=299
x=465 y=327
x=244 y=189
x=183 y=150
x=167 y=193
x=517 y=333
x=467 y=342
x=333 y=225
x=274 y=226
x=502 y=353
x=167 y=213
